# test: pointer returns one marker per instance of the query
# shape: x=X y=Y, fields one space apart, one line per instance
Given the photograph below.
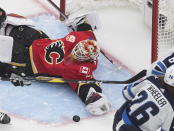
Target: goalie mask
x=169 y=76
x=86 y=50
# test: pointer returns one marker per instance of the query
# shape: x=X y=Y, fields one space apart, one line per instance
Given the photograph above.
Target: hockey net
x=162 y=16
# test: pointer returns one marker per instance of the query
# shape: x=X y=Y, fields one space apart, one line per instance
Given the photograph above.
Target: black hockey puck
x=76 y=118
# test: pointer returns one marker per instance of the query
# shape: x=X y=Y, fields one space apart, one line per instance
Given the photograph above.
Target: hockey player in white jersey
x=149 y=105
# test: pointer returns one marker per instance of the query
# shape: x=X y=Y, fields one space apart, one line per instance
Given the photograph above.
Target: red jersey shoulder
x=80 y=35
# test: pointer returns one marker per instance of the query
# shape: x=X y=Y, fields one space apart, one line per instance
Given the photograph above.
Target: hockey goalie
x=74 y=56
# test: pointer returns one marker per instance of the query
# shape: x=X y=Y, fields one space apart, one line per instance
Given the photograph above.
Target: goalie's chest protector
x=52 y=57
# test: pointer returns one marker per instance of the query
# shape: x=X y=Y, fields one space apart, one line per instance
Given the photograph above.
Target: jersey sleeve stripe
x=161 y=66
x=154 y=72
x=129 y=90
x=126 y=119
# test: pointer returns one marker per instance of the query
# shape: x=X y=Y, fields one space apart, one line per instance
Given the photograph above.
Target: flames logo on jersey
x=54 y=53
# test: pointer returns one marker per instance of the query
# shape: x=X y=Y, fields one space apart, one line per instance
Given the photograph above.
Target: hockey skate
x=4 y=118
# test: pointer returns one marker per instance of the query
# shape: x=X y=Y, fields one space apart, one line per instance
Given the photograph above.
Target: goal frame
x=154 y=47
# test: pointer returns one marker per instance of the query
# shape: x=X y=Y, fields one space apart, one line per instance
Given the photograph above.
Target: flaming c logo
x=54 y=53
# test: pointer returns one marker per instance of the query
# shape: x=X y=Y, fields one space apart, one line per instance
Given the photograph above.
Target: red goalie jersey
x=53 y=57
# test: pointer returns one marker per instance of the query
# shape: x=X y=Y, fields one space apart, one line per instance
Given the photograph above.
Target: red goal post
x=162 y=28
x=62 y=6
x=154 y=48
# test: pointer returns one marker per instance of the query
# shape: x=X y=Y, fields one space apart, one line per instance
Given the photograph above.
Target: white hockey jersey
x=151 y=106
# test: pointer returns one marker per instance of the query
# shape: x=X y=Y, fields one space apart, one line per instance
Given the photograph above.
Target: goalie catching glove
x=97 y=103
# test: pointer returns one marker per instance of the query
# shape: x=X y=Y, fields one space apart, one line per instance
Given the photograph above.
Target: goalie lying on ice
x=72 y=57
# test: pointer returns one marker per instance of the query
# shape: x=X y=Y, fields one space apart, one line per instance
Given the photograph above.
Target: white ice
x=123 y=34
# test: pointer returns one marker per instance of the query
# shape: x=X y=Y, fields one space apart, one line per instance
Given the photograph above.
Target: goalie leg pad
x=6 y=48
x=23 y=37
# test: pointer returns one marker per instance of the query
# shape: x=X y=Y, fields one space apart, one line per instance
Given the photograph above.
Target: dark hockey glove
x=17 y=80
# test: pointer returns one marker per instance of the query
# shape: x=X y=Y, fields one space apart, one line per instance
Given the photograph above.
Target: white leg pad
x=6 y=45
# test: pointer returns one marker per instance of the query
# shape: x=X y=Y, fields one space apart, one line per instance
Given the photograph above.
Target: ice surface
x=57 y=103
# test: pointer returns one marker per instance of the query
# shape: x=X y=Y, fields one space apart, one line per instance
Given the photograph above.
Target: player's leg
x=23 y=37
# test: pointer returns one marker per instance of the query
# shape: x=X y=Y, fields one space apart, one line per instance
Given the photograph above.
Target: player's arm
x=130 y=90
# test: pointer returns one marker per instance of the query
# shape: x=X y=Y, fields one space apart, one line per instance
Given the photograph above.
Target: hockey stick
x=61 y=80
x=57 y=8
x=61 y=13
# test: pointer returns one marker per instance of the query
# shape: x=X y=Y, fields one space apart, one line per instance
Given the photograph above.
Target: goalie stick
x=138 y=76
x=57 y=8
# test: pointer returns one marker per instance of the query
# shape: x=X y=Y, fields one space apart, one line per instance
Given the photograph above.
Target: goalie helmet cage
x=161 y=12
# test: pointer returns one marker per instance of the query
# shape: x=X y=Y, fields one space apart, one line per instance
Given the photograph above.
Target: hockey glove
x=17 y=80
x=97 y=103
